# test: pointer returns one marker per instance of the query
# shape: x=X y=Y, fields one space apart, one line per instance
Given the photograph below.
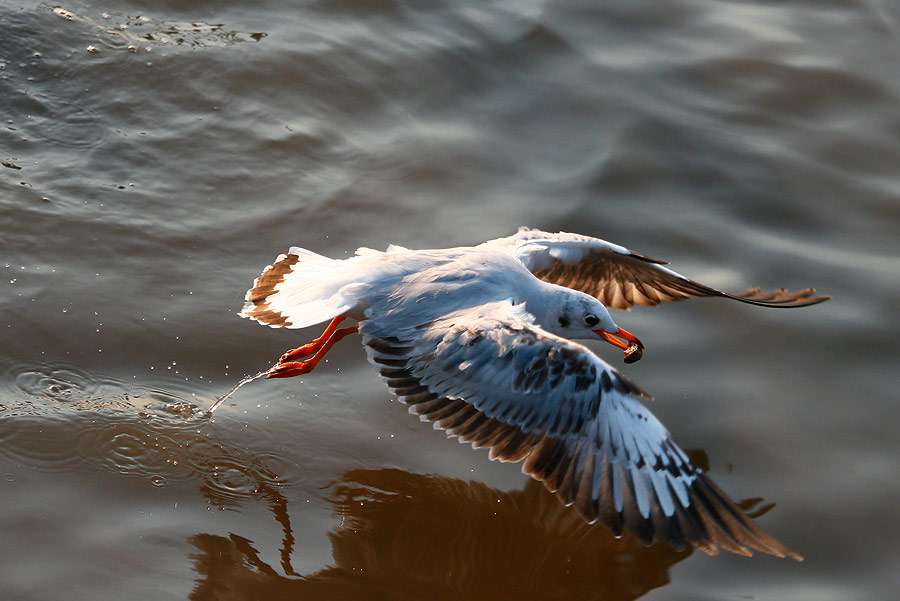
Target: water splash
x=50 y=388
x=246 y=380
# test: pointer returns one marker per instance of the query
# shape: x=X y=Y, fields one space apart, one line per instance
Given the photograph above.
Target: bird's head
x=581 y=316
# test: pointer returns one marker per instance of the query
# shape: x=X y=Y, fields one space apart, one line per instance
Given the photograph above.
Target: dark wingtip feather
x=730 y=527
x=645 y=258
x=779 y=298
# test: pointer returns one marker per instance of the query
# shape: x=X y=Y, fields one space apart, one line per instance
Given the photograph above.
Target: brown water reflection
x=408 y=536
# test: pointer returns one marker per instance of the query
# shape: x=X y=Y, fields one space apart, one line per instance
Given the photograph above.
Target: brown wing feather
x=622 y=281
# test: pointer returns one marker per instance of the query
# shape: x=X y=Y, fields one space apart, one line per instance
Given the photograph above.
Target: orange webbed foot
x=290 y=369
x=298 y=353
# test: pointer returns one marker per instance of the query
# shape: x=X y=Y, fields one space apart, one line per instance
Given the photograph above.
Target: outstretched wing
x=622 y=278
x=490 y=377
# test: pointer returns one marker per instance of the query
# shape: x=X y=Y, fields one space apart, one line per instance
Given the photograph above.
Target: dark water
x=156 y=155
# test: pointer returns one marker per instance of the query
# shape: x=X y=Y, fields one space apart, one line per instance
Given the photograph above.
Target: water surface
x=156 y=156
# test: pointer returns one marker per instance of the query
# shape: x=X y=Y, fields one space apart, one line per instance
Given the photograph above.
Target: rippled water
x=156 y=156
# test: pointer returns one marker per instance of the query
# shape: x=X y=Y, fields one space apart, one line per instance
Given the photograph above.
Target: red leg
x=315 y=345
x=298 y=368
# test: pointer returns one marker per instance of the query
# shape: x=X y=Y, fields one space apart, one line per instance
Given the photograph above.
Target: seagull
x=480 y=341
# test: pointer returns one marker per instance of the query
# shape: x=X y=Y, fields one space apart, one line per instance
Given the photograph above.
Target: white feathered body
x=417 y=284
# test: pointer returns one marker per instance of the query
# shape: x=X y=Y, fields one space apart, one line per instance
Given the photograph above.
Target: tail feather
x=300 y=289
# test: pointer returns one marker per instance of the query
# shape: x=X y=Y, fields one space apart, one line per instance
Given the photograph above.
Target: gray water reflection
x=77 y=421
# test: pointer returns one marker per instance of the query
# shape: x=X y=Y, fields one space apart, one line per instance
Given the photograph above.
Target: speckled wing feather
x=621 y=278
x=492 y=378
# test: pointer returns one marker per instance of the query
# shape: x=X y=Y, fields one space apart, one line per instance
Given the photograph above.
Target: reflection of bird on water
x=478 y=340
x=408 y=536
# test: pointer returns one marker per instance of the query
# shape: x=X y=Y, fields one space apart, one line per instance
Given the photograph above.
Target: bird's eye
x=591 y=319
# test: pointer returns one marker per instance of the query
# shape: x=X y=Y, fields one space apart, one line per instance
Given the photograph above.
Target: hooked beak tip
x=622 y=333
x=614 y=339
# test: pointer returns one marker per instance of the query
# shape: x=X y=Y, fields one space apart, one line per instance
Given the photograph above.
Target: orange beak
x=611 y=338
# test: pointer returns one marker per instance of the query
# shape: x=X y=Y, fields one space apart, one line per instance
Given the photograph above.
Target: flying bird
x=480 y=341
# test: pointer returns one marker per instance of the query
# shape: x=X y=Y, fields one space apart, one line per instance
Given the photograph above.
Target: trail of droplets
x=246 y=380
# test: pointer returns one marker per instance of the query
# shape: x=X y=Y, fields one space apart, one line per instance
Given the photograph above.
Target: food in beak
x=633 y=351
